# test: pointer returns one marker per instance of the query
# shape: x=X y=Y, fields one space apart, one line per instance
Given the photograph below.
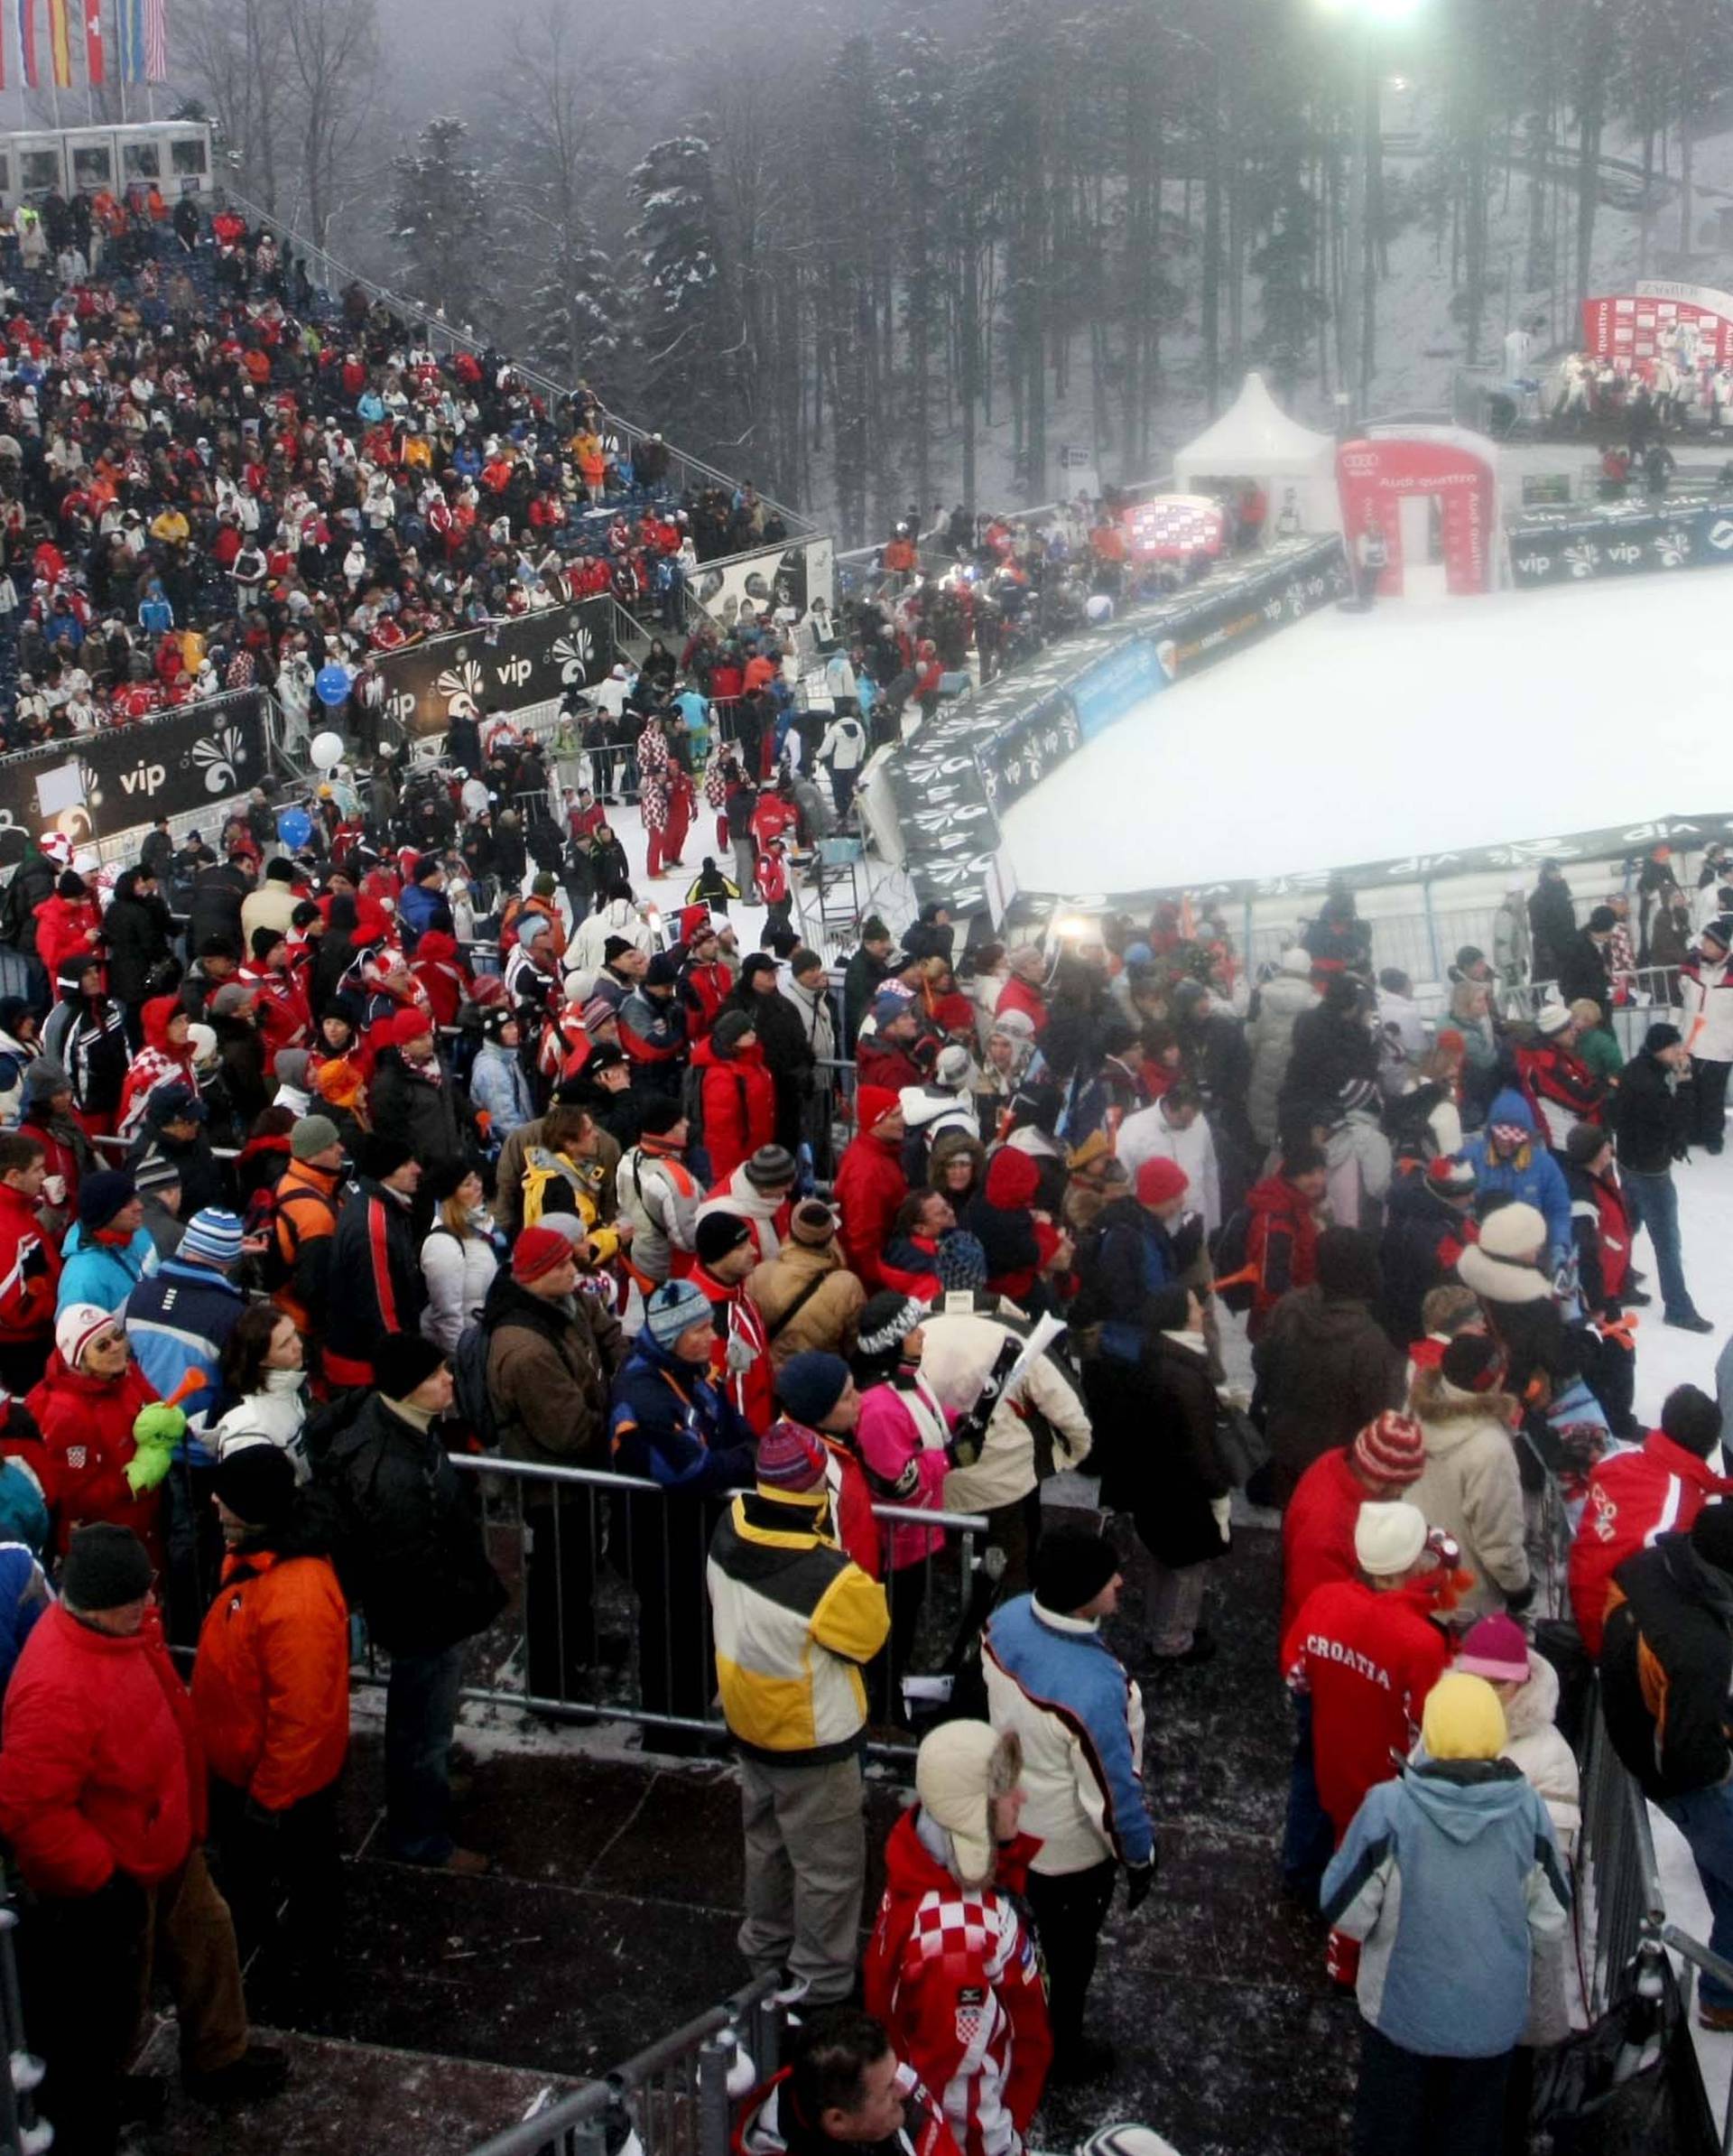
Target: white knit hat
x=1515 y=1231
x=1297 y=959
x=1553 y=1017
x=960 y=1768
x=1387 y=1539
x=78 y=1326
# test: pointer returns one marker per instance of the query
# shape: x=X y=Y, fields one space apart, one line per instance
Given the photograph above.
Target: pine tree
x=679 y=306
x=441 y=236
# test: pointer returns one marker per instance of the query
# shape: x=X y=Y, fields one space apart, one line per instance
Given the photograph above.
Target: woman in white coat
x=262 y=1362
x=459 y=1256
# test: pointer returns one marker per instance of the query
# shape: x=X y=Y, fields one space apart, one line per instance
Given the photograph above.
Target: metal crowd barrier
x=612 y=1618
x=22 y=2132
x=674 y=2095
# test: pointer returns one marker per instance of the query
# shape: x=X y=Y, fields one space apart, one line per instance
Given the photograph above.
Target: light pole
x=1363 y=19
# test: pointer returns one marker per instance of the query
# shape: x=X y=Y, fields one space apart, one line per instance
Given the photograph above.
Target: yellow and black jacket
x=795 y=1620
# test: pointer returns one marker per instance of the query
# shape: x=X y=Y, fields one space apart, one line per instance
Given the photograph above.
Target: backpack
x=469 y=1385
x=542 y=1170
x=262 y=1219
x=1234 y=1284
x=691 y=1102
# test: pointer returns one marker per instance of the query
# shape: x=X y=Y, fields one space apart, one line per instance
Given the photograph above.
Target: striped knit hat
x=213 y=1236
x=1393 y=1449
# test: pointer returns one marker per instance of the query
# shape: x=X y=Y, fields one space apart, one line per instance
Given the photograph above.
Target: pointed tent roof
x=1256 y=437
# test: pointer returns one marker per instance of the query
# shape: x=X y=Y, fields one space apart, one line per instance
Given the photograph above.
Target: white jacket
x=459 y=1270
x=1537 y=1746
x=1706 y=993
x=956 y=1361
x=619 y=917
x=1148 y=1135
x=274 y=1417
x=1360 y=1164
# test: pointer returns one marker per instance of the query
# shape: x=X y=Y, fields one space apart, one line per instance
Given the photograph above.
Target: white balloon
x=327 y=751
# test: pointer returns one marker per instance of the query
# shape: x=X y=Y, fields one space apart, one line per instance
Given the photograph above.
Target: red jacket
x=99 y=1768
x=704 y=990
x=870 y=1187
x=1318 y=1531
x=30 y=1270
x=1021 y=995
x=1633 y=1497
x=739 y=1099
x=270 y=1686
x=886 y=1063
x=746 y=1376
x=1281 y=1243
x=86 y=1425
x=441 y=975
x=952 y=1974
x=1368 y=1660
x=281 y=1008
x=66 y=928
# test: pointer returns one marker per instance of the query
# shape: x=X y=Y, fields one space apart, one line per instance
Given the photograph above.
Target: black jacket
x=1325 y=1368
x=137 y=932
x=1552 y=926
x=375 y=1278
x=1167 y=1478
x=860 y=983
x=1582 y=972
x=1424 y=1234
x=424 y=1116
x=1651 y=1121
x=216 y=910
x=415 y=1556
x=1666 y=1662
x=1330 y=1049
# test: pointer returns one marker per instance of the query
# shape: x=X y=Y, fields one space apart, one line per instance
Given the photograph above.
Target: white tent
x=1256 y=440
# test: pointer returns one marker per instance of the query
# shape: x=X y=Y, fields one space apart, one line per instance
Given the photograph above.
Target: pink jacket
x=901 y=1440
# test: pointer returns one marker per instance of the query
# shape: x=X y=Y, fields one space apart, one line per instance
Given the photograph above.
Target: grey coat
x=1270 y=1036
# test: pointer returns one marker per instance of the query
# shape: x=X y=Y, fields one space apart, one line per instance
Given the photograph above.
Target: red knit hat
x=536 y=1251
x=872 y=1104
x=1391 y=1450
x=1160 y=1181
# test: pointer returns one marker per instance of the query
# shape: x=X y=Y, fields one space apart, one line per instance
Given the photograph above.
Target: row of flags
x=36 y=49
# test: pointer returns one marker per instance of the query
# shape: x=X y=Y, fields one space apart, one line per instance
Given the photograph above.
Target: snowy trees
x=440 y=208
x=688 y=348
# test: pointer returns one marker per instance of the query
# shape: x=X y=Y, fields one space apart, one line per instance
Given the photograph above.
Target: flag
x=129 y=24
x=156 y=41
x=93 y=56
x=26 y=21
x=59 y=45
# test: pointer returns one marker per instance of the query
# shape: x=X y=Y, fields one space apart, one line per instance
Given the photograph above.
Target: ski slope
x=1418 y=728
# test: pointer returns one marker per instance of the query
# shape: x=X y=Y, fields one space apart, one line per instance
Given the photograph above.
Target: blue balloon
x=331 y=684
x=294 y=827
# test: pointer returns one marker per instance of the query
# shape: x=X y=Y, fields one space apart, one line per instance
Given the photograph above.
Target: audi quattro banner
x=201 y=755
x=1620 y=539
x=534 y=660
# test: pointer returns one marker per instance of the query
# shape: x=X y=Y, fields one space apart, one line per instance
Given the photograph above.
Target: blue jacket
x=1450 y=1877
x=671 y=1424
x=423 y=908
x=497 y=1083
x=1129 y=1258
x=104 y=1274
x=23 y=1596
x=176 y=1320
x=1532 y=1176
x=1057 y=1683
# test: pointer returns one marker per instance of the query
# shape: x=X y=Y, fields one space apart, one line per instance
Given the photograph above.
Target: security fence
x=611 y=1617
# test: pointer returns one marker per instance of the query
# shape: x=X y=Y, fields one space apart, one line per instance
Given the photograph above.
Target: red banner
x=1691 y=325
x=94 y=66
x=1445 y=463
x=1172 y=528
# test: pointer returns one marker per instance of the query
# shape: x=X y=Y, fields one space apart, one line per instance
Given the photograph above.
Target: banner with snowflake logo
x=200 y=757
x=506 y=667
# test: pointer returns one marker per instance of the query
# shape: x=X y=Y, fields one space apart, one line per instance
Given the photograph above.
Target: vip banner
x=534 y=660
x=1576 y=545
x=108 y=782
x=982 y=754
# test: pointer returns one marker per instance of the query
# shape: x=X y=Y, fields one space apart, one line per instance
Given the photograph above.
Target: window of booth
x=141 y=161
x=40 y=171
x=93 y=165
x=6 y=172
x=189 y=157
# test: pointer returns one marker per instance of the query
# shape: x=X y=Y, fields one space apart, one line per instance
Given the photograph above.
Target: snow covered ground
x=1418 y=728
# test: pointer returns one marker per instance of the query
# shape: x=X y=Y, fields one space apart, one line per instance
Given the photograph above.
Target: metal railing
x=611 y=1572
x=22 y=2132
x=674 y=2094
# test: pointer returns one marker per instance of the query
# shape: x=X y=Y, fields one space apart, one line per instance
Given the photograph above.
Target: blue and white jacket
x=176 y=1320
x=1081 y=1721
x=1530 y=1176
x=1450 y=1875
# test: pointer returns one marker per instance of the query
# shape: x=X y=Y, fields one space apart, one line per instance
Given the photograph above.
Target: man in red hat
x=870 y=1184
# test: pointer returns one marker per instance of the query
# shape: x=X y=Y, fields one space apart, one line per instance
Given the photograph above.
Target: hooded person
x=950 y=1969
x=730 y=1085
x=871 y=1185
x=1019 y=1247
x=1325 y=1365
x=1510 y=1160
x=1470 y=1487
x=164 y=1060
x=1450 y=1877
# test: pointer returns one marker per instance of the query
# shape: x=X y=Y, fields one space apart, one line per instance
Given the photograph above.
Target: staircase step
x=354 y=2095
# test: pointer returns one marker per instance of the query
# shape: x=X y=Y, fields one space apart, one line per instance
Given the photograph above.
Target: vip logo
x=463 y=686
x=401 y=706
x=1534 y=564
x=145 y=778
x=574 y=651
x=1582 y=559
x=1626 y=553
x=220 y=760
x=514 y=672
x=1720 y=534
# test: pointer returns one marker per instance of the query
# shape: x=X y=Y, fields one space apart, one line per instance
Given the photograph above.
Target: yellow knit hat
x=1463 y=1719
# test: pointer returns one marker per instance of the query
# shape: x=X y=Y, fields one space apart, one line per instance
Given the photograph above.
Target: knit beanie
x=872 y=1104
x=537 y=1251
x=404 y=1360
x=78 y=1326
x=1071 y=1567
x=106 y=1568
x=313 y=1134
x=292 y=1068
x=212 y=1236
x=674 y=1307
x=1347 y=1265
x=812 y=1223
x=659 y=1117
x=616 y=946
x=43 y=1080
x=265 y=940
x=102 y=1195
x=599 y=1012
x=1472 y=1363
x=257 y=1483
x=787 y=1460
x=662 y=972
x=959 y=1261
x=886 y=1319
x=1495 y=1648
x=730 y=1030
x=717 y=1233
x=1462 y=1719
x=1452 y=1175
x=1585 y=1143
x=1553 y=1018
x=156 y=1171
x=1711 y=1536
x=1388 y=1538
x=1393 y=1449
x=771 y=1167
x=959 y=1769
x=232 y=997
x=380 y=1157
x=810 y=1385
x=1159 y=1181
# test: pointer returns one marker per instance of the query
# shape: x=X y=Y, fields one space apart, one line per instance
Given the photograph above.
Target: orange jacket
x=270 y=1686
